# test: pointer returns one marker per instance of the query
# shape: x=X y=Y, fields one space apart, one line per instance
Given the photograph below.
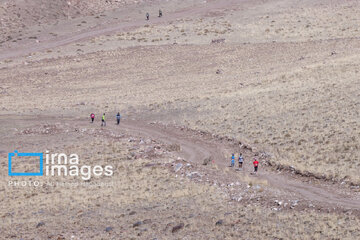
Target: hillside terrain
x=275 y=80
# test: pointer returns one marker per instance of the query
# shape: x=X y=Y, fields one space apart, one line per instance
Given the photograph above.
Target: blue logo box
x=40 y=155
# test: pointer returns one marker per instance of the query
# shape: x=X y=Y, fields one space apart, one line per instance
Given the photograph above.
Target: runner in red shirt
x=92 y=116
x=256 y=164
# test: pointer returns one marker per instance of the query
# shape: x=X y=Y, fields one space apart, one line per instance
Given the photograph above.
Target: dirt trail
x=103 y=29
x=195 y=149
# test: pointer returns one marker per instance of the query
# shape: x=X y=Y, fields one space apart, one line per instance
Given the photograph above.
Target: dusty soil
x=274 y=80
x=150 y=183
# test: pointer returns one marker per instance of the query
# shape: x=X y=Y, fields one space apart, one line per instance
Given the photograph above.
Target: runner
x=118 y=118
x=160 y=13
x=232 y=160
x=103 y=122
x=241 y=160
x=92 y=116
x=256 y=164
x=147 y=16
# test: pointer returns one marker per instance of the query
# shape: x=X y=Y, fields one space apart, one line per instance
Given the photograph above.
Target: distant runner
x=147 y=16
x=241 y=160
x=232 y=160
x=92 y=116
x=103 y=122
x=256 y=164
x=160 y=13
x=118 y=118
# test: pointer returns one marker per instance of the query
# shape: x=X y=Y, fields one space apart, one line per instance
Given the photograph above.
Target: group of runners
x=148 y=15
x=103 y=119
x=232 y=163
x=241 y=162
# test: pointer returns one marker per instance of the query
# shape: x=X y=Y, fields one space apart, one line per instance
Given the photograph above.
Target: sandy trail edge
x=195 y=149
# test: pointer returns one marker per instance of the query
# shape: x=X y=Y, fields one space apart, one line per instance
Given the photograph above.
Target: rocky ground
x=275 y=80
x=157 y=193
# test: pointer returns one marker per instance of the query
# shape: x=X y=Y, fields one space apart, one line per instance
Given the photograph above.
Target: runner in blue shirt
x=232 y=160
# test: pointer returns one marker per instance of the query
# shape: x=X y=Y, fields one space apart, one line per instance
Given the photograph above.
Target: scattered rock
x=220 y=40
x=219 y=222
x=132 y=213
x=238 y=199
x=137 y=224
x=173 y=148
x=219 y=71
x=146 y=221
x=149 y=150
x=177 y=228
x=178 y=167
x=40 y=224
x=294 y=203
x=193 y=175
x=206 y=161
x=151 y=164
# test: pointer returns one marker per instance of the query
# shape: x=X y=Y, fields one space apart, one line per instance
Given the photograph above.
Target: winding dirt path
x=103 y=29
x=196 y=149
x=196 y=146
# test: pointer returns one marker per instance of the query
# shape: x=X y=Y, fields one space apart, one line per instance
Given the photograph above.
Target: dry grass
x=288 y=85
x=155 y=200
x=304 y=112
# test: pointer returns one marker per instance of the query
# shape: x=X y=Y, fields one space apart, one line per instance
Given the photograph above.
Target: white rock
x=178 y=167
x=193 y=174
